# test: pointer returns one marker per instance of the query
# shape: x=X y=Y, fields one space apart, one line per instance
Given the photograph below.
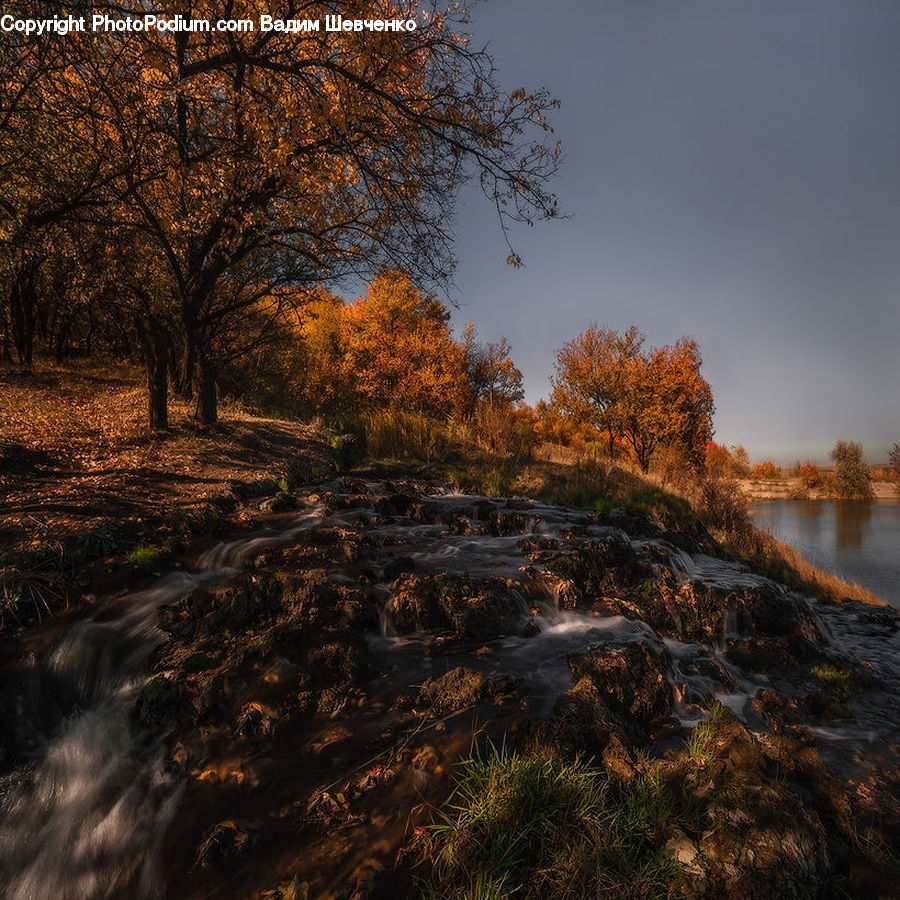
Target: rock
x=580 y=726
x=770 y=845
x=682 y=848
x=617 y=760
x=209 y=695
x=476 y=609
x=760 y=838
x=198 y=661
x=254 y=721
x=157 y=702
x=632 y=679
x=458 y=689
x=425 y=758
x=281 y=502
x=600 y=568
x=337 y=657
x=224 y=841
x=233 y=606
x=400 y=565
x=512 y=521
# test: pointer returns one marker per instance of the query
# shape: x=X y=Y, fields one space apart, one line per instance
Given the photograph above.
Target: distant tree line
x=850 y=476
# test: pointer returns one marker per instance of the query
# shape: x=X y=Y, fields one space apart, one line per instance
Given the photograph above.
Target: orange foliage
x=224 y=166
x=724 y=463
x=718 y=460
x=810 y=475
x=649 y=400
x=397 y=351
x=765 y=471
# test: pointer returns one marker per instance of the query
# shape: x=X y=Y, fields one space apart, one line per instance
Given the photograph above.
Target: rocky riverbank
x=317 y=682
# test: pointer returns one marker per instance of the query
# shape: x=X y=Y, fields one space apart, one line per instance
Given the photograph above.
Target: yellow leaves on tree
x=397 y=350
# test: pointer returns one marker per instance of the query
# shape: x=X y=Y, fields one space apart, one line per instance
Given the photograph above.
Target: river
x=856 y=539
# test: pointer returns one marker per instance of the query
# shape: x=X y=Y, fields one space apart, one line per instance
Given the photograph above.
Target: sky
x=731 y=171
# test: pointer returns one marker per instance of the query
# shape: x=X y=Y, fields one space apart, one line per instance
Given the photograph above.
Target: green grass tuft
x=528 y=825
x=833 y=677
x=143 y=556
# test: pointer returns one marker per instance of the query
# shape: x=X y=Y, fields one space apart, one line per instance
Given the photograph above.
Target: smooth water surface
x=856 y=539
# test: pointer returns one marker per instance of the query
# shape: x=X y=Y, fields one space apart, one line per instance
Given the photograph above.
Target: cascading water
x=88 y=817
x=87 y=820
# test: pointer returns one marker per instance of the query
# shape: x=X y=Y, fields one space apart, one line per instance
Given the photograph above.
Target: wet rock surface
x=316 y=682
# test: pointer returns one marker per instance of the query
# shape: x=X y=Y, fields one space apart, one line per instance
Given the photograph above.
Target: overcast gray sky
x=732 y=169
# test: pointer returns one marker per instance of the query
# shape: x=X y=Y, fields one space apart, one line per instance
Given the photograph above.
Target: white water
x=88 y=820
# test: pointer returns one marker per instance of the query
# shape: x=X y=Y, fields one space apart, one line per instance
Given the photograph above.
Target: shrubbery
x=765 y=471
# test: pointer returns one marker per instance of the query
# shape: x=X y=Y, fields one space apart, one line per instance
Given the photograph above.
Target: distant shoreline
x=792 y=489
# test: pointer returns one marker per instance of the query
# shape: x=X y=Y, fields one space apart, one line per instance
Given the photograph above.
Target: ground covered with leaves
x=83 y=479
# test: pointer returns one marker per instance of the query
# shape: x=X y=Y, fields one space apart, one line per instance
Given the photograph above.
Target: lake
x=856 y=539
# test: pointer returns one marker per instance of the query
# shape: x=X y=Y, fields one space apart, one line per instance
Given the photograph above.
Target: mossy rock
x=157 y=702
x=632 y=679
x=456 y=690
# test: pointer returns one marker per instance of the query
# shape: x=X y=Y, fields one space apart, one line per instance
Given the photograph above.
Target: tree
x=765 y=471
x=741 y=459
x=666 y=402
x=718 y=460
x=56 y=161
x=398 y=351
x=589 y=384
x=653 y=399
x=490 y=370
x=810 y=475
x=894 y=457
x=247 y=163
x=851 y=472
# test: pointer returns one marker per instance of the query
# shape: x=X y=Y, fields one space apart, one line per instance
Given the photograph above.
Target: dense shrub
x=765 y=471
x=851 y=472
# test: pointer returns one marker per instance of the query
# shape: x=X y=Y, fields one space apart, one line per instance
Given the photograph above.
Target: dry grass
x=769 y=556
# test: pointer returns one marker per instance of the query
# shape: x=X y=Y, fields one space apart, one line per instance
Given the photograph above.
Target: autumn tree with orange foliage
x=397 y=351
x=648 y=399
x=765 y=471
x=247 y=164
x=493 y=376
x=718 y=460
x=724 y=463
x=590 y=381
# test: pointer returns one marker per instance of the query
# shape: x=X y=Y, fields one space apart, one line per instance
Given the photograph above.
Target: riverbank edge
x=794 y=489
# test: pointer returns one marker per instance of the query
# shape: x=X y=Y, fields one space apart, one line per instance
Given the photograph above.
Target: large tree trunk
x=184 y=382
x=207 y=401
x=155 y=341
x=22 y=302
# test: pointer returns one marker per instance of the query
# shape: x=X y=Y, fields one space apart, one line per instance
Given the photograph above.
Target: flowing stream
x=85 y=814
x=88 y=818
